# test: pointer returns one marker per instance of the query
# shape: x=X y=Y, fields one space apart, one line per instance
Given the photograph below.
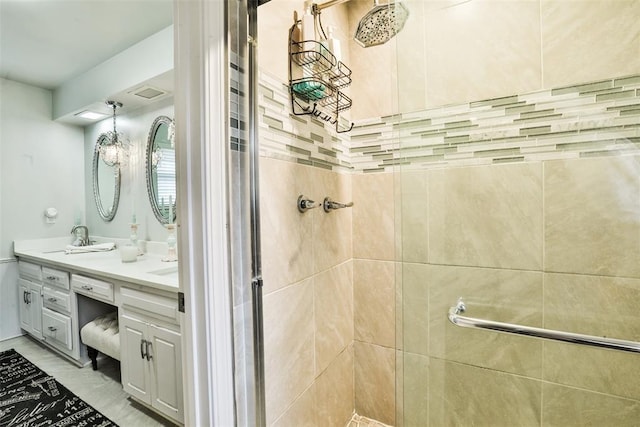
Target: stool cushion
x=102 y=333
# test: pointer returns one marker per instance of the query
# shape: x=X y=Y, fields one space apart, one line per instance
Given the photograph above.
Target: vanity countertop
x=149 y=269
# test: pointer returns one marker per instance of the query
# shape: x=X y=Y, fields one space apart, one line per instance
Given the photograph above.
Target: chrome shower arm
x=317 y=7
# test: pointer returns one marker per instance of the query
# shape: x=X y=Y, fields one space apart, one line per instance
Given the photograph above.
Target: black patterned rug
x=31 y=398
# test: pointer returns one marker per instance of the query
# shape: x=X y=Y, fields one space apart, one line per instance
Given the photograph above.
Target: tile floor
x=360 y=421
x=100 y=389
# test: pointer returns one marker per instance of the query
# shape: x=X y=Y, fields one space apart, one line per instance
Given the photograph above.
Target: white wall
x=41 y=166
x=133 y=190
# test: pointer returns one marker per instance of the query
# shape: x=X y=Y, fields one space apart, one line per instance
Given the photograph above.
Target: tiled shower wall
x=528 y=206
x=307 y=268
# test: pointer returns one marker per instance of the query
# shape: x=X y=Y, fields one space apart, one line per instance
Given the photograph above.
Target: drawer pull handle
x=52 y=278
x=52 y=328
x=149 y=356
x=87 y=287
x=52 y=299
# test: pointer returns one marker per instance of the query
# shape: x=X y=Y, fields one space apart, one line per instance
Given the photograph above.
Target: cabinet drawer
x=56 y=328
x=26 y=270
x=56 y=299
x=155 y=305
x=53 y=277
x=93 y=288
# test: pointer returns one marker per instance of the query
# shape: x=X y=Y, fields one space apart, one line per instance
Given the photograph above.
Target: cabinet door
x=31 y=307
x=166 y=362
x=35 y=308
x=135 y=368
x=25 y=313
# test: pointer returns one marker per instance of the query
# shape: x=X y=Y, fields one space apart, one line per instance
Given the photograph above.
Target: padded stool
x=102 y=335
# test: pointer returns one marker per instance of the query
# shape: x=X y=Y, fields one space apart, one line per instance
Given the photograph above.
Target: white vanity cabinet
x=151 y=351
x=58 y=325
x=61 y=293
x=30 y=307
x=46 y=307
x=30 y=293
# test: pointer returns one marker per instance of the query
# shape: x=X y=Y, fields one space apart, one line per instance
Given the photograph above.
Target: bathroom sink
x=169 y=271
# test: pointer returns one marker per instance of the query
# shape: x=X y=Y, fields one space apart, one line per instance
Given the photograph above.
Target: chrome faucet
x=329 y=205
x=82 y=238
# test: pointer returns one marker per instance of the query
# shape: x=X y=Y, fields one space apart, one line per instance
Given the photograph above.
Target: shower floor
x=360 y=421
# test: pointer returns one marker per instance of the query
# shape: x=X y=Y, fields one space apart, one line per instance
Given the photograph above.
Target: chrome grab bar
x=531 y=331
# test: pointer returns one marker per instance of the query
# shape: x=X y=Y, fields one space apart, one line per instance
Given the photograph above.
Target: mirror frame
x=106 y=215
x=160 y=120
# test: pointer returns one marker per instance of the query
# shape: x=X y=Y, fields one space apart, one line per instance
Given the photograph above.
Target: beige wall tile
x=415 y=308
x=239 y=222
x=415 y=393
x=592 y=216
x=332 y=231
x=243 y=359
x=481 y=41
x=333 y=307
x=411 y=59
x=399 y=309
x=571 y=407
x=400 y=388
x=336 y=391
x=588 y=40
x=374 y=370
x=584 y=304
x=414 y=246
x=288 y=346
x=488 y=216
x=275 y=18
x=302 y=413
x=374 y=70
x=373 y=216
x=287 y=252
x=592 y=305
x=374 y=299
x=462 y=395
x=502 y=295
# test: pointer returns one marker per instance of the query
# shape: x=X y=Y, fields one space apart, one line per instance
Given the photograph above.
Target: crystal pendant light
x=113 y=151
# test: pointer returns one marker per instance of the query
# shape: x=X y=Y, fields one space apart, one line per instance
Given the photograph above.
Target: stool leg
x=93 y=355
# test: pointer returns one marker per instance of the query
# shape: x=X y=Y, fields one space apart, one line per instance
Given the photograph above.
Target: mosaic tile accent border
x=299 y=139
x=593 y=119
x=238 y=134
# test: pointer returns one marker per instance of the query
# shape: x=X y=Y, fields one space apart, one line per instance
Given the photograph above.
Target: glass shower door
x=519 y=192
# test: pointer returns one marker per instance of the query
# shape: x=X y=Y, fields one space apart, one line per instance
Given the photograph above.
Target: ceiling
x=45 y=43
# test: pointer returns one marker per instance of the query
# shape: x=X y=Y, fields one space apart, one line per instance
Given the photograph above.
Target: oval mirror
x=106 y=182
x=161 y=170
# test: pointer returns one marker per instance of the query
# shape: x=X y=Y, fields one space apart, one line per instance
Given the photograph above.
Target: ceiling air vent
x=148 y=92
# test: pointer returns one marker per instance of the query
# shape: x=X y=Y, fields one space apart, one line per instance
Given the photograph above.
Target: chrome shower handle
x=329 y=205
x=305 y=204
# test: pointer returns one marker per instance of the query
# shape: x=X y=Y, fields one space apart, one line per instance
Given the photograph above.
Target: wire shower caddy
x=320 y=77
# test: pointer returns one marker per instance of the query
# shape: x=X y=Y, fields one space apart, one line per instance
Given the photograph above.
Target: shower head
x=381 y=23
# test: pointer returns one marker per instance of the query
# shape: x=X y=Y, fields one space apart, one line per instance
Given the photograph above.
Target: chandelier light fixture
x=114 y=150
